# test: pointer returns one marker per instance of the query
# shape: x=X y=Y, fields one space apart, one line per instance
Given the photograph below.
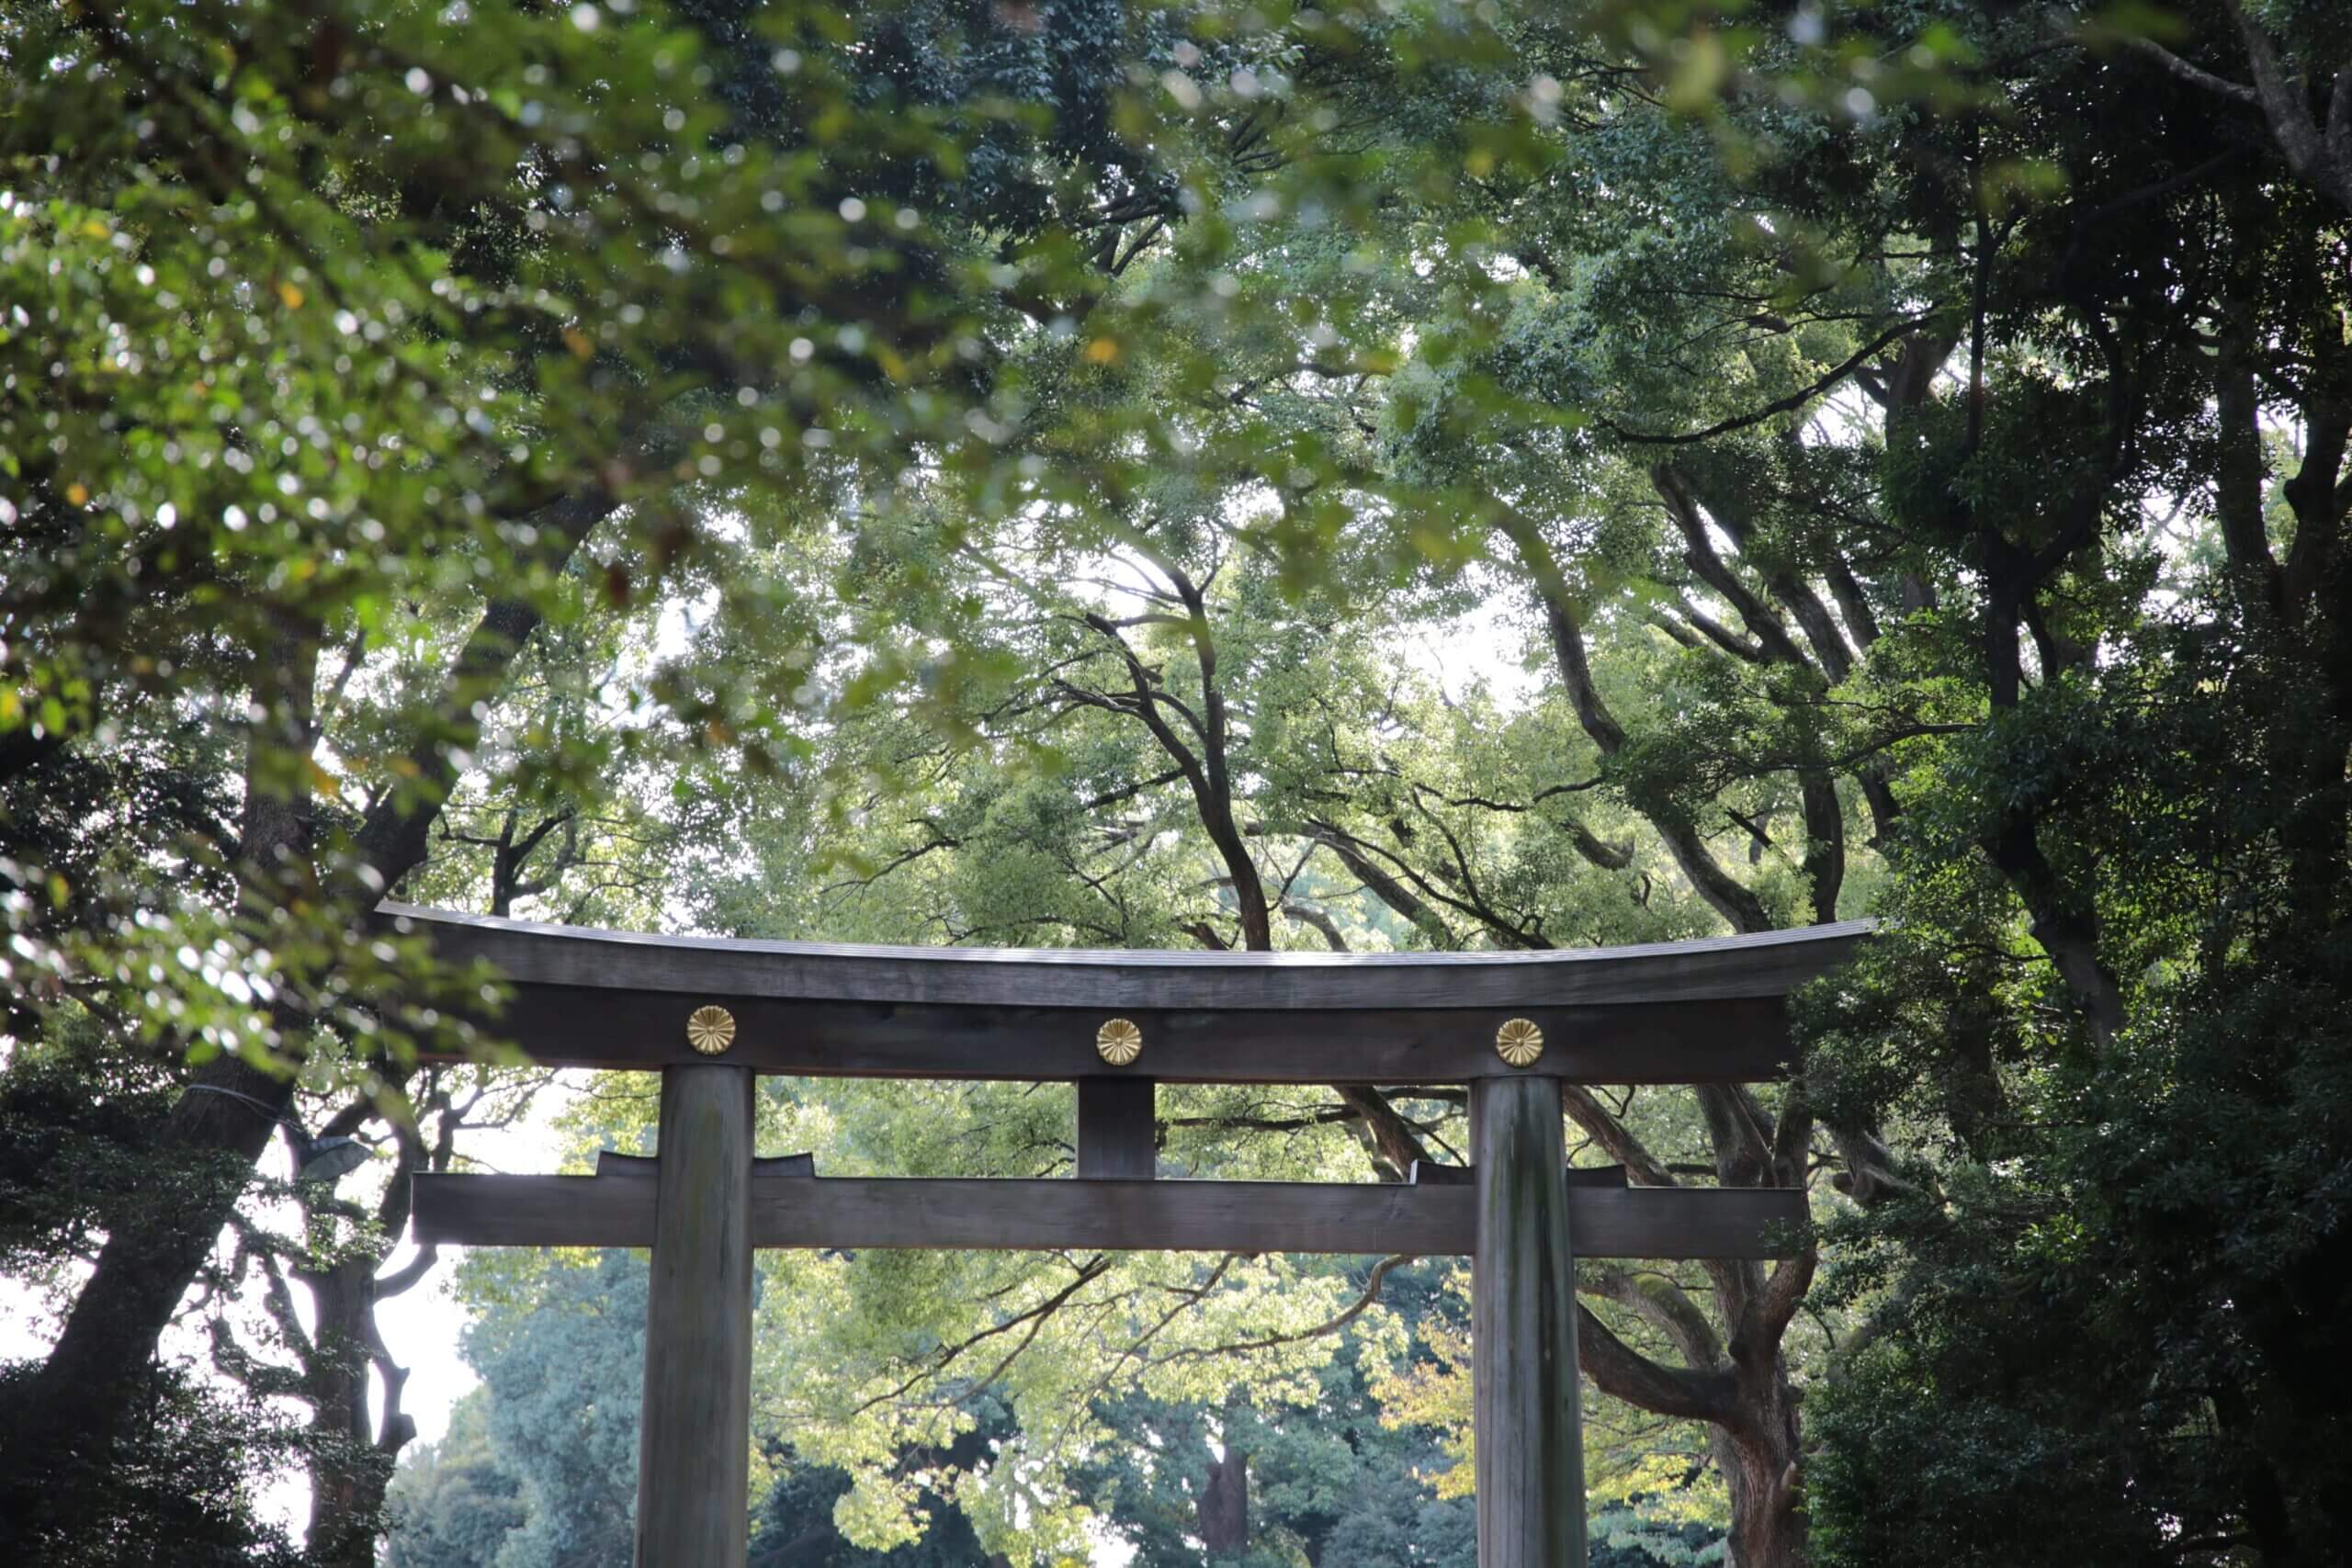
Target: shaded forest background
x=1368 y=476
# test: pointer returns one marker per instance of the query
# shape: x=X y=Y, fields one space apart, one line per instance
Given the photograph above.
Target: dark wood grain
x=1768 y=964
x=1116 y=1130
x=1725 y=1040
x=694 y=1445
x=1428 y=1174
x=612 y=1162
x=1527 y=1409
x=1243 y=1216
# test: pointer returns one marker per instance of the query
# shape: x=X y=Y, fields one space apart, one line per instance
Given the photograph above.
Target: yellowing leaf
x=1700 y=74
x=580 y=343
x=292 y=296
x=322 y=781
x=1102 y=351
x=79 y=494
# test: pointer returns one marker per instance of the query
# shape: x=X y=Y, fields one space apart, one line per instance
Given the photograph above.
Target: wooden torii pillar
x=709 y=1014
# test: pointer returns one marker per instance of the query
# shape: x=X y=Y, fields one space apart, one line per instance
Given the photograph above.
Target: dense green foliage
x=1370 y=476
x=540 y=1463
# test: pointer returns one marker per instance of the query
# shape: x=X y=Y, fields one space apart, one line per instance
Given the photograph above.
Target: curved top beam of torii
x=1710 y=1009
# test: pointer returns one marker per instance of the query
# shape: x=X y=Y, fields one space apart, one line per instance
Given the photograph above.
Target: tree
x=1326 y=1482
x=1172 y=619
x=452 y=1506
x=794 y=1527
x=562 y=1368
x=2118 y=1034
x=539 y=1464
x=564 y=464
x=370 y=324
x=1750 y=614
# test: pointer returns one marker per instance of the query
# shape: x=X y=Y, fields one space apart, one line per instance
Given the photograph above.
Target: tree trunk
x=1761 y=1454
x=1225 y=1506
x=348 y=1477
x=93 y=1378
x=86 y=1392
x=90 y=1385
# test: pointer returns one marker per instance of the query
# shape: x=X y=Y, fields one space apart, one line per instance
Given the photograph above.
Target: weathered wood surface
x=1243 y=1216
x=612 y=1162
x=1116 y=1131
x=1740 y=1039
x=695 y=1440
x=1767 y=964
x=1429 y=1174
x=1530 y=1454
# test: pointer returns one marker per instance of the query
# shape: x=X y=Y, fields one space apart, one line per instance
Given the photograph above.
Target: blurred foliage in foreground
x=1365 y=475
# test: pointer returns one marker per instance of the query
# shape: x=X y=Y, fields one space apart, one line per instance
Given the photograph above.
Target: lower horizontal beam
x=1139 y=1216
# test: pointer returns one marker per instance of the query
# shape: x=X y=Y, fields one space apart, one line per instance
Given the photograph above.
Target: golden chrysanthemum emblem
x=711 y=1029
x=1520 y=1041
x=1118 y=1041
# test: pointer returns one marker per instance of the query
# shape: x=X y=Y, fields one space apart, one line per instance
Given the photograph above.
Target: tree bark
x=1761 y=1453
x=348 y=1479
x=1224 y=1510
x=351 y=1475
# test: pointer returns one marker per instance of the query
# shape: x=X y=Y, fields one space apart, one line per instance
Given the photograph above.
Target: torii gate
x=711 y=1013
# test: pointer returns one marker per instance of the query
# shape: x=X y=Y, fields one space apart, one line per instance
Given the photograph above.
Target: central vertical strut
x=1523 y=1331
x=694 y=1442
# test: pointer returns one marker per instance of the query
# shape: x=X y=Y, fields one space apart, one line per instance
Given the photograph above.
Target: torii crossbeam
x=709 y=1014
